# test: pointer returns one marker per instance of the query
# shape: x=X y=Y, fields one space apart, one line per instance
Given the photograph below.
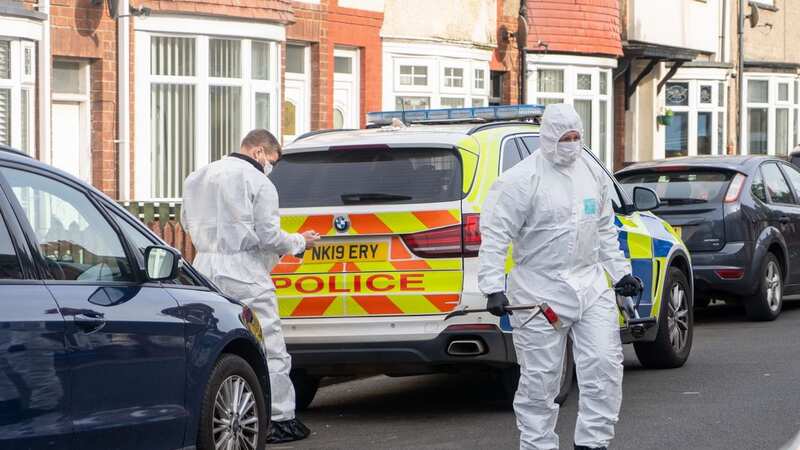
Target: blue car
x=108 y=339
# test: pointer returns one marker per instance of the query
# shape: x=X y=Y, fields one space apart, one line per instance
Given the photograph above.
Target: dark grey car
x=740 y=219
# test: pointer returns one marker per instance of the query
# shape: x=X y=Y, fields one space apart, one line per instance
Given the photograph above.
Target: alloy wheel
x=772 y=283
x=678 y=317
x=235 y=421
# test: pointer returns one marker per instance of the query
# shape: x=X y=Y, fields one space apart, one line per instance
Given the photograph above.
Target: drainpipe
x=740 y=78
x=722 y=30
x=124 y=98
x=44 y=84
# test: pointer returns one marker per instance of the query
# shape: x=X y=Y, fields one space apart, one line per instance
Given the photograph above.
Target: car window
x=681 y=187
x=777 y=188
x=758 y=189
x=10 y=268
x=531 y=143
x=141 y=241
x=511 y=154
x=793 y=175
x=77 y=243
x=368 y=176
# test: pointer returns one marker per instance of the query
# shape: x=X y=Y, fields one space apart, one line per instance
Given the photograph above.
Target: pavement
x=738 y=390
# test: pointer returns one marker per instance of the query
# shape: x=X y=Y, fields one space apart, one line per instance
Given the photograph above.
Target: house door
x=346 y=82
x=297 y=92
x=70 y=147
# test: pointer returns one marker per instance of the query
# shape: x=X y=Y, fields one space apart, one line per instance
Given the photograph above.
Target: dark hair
x=261 y=138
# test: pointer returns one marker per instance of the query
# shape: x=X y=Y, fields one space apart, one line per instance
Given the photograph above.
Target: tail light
x=735 y=189
x=730 y=274
x=449 y=242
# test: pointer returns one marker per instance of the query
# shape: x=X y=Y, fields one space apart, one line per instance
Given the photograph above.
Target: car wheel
x=509 y=378
x=234 y=410
x=305 y=388
x=768 y=301
x=673 y=342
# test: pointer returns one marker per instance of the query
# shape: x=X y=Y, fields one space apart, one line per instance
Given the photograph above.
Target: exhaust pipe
x=466 y=347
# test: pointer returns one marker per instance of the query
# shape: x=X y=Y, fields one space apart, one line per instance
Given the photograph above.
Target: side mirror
x=162 y=263
x=645 y=199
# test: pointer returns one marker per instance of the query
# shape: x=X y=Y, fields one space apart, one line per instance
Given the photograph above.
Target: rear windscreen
x=363 y=176
x=676 y=188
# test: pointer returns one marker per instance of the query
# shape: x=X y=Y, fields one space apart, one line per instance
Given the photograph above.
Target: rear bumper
x=735 y=255
x=404 y=357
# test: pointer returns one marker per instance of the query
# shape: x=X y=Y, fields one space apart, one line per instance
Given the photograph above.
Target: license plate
x=347 y=252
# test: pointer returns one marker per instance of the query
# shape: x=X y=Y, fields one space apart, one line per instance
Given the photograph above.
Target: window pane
x=793 y=175
x=783 y=92
x=511 y=155
x=677 y=136
x=550 y=80
x=757 y=130
x=5 y=59
x=260 y=57
x=409 y=103
x=757 y=91
x=758 y=189
x=478 y=102
x=224 y=120
x=73 y=236
x=172 y=141
x=677 y=94
x=262 y=111
x=603 y=83
x=5 y=116
x=343 y=64
x=172 y=56
x=289 y=119
x=9 y=264
x=704 y=133
x=548 y=101
x=405 y=70
x=452 y=102
x=224 y=58
x=338 y=118
x=67 y=78
x=453 y=77
x=777 y=188
x=796 y=127
x=602 y=147
x=722 y=93
x=25 y=131
x=584 y=109
x=585 y=81
x=781 y=131
x=721 y=133
x=480 y=80
x=796 y=92
x=28 y=55
x=705 y=94
x=420 y=75
x=295 y=58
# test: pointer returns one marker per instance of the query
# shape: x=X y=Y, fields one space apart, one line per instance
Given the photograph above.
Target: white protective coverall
x=230 y=210
x=557 y=213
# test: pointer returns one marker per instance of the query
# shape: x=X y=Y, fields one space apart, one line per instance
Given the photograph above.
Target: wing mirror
x=645 y=199
x=162 y=263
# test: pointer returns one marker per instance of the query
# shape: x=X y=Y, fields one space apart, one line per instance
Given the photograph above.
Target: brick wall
x=326 y=26
x=506 y=58
x=619 y=123
x=575 y=26
x=270 y=10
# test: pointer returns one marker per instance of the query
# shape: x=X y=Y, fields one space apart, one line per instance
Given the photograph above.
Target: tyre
x=305 y=388
x=509 y=378
x=673 y=342
x=234 y=413
x=768 y=300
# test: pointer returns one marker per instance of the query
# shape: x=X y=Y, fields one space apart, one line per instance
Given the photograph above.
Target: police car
x=398 y=206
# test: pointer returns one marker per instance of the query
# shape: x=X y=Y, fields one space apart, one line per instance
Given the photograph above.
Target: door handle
x=90 y=321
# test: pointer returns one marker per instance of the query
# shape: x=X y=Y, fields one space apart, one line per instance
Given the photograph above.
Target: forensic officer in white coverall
x=554 y=208
x=230 y=209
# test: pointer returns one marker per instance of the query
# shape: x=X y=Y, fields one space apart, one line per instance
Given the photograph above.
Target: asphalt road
x=739 y=390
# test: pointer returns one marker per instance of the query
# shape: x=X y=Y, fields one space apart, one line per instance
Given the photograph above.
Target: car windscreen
x=681 y=187
x=371 y=175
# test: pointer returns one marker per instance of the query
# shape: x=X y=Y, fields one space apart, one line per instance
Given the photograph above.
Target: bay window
x=587 y=88
x=771 y=114
x=17 y=93
x=697 y=125
x=201 y=94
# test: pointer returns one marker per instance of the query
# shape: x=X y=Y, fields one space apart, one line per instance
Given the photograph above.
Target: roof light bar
x=484 y=114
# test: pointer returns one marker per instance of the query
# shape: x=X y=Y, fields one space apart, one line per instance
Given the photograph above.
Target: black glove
x=628 y=286
x=496 y=303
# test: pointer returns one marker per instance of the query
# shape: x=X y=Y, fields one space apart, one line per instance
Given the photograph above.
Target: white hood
x=559 y=119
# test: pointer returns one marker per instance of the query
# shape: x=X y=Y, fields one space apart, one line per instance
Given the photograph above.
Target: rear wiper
x=683 y=201
x=372 y=197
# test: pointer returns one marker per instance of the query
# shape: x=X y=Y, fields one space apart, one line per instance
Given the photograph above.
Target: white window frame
x=202 y=30
x=466 y=78
x=481 y=92
x=18 y=82
x=84 y=100
x=303 y=125
x=772 y=105
x=571 y=67
x=695 y=107
x=432 y=75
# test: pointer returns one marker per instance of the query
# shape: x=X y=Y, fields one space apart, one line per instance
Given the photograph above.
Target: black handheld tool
x=629 y=308
x=543 y=308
